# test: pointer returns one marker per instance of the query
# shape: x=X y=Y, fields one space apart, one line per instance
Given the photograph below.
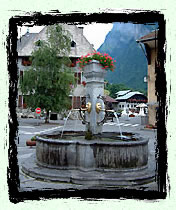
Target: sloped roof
x=128 y=95
x=152 y=35
x=123 y=92
x=27 y=43
x=109 y=99
x=24 y=40
x=150 y=39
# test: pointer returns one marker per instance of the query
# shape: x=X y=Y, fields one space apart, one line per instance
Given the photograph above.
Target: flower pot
x=30 y=143
x=131 y=115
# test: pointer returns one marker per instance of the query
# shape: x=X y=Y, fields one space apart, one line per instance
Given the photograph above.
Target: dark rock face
x=92 y=155
x=131 y=65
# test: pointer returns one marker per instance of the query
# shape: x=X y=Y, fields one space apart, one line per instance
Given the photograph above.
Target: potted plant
x=84 y=83
x=31 y=142
x=132 y=115
x=151 y=126
x=106 y=61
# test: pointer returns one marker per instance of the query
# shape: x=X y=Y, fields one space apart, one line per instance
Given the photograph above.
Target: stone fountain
x=92 y=158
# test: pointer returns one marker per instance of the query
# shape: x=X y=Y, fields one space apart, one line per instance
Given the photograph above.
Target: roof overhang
x=150 y=40
x=152 y=43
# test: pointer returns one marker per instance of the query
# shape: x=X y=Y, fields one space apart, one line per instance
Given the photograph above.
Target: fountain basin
x=101 y=154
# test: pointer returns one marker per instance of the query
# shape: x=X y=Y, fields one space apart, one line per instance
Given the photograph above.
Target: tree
x=47 y=83
x=106 y=92
x=114 y=88
x=143 y=91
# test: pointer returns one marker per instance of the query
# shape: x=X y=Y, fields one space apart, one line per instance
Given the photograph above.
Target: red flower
x=104 y=59
x=84 y=83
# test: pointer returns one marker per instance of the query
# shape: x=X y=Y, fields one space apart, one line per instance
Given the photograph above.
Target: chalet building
x=79 y=47
x=129 y=99
x=150 y=42
x=111 y=103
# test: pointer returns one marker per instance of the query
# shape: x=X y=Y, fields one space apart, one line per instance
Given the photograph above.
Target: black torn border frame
x=140 y=17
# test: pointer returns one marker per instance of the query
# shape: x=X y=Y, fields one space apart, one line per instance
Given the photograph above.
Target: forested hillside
x=131 y=65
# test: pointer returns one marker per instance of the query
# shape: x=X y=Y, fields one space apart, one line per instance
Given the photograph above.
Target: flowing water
x=115 y=114
x=77 y=119
x=118 y=123
x=65 y=122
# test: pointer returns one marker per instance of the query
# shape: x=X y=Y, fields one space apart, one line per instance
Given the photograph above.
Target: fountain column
x=94 y=75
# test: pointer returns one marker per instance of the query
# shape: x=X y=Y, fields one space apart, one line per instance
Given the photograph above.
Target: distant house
x=129 y=99
x=111 y=103
x=150 y=42
x=79 y=46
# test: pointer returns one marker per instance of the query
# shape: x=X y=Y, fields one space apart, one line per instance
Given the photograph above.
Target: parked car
x=19 y=115
x=31 y=116
x=24 y=115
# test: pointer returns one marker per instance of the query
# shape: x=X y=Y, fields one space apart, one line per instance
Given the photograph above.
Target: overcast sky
x=95 y=33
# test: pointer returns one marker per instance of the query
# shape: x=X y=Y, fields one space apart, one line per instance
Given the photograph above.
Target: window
x=24 y=103
x=76 y=102
x=78 y=77
x=73 y=44
x=20 y=101
x=73 y=62
x=26 y=61
x=21 y=75
x=83 y=102
x=38 y=43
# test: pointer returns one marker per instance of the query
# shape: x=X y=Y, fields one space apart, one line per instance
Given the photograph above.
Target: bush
x=34 y=138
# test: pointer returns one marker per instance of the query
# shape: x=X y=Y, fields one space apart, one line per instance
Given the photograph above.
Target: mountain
x=131 y=63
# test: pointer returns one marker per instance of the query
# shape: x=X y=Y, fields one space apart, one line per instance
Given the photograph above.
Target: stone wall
x=91 y=155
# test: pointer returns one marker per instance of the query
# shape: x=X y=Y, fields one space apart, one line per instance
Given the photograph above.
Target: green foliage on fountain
x=88 y=135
